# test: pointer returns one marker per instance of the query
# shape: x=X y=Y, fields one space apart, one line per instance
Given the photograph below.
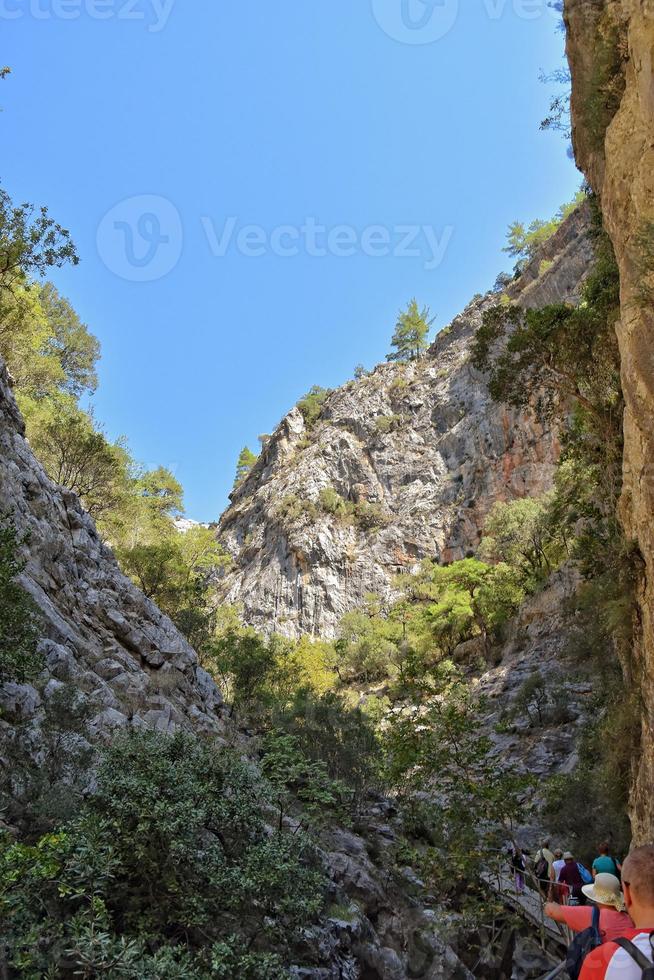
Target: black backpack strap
x=643 y=962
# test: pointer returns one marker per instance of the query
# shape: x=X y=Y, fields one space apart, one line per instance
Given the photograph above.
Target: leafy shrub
x=296 y=779
x=388 y=423
x=171 y=854
x=369 y=516
x=292 y=508
x=35 y=798
x=332 y=502
x=18 y=615
x=343 y=738
x=311 y=405
x=543 y=701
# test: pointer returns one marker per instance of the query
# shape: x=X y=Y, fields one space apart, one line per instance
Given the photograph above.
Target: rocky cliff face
x=98 y=631
x=611 y=54
x=418 y=451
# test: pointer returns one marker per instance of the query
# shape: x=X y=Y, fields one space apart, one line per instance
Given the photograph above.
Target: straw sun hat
x=605 y=890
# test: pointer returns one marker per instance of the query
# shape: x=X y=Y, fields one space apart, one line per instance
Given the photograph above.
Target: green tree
x=76 y=455
x=246 y=461
x=367 y=645
x=71 y=343
x=19 y=659
x=520 y=533
x=411 y=333
x=523 y=242
x=311 y=405
x=458 y=794
x=31 y=242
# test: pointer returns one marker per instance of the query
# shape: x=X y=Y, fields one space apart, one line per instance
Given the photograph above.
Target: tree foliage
x=523 y=242
x=246 y=461
x=411 y=333
x=31 y=242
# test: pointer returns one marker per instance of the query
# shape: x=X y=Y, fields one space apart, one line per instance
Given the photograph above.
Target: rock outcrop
x=99 y=632
x=611 y=54
x=418 y=454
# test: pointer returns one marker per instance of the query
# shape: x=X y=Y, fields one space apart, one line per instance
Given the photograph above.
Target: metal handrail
x=556 y=972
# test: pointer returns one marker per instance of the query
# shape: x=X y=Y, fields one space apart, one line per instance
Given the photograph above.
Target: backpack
x=647 y=966
x=586 y=876
x=616 y=870
x=583 y=944
x=542 y=868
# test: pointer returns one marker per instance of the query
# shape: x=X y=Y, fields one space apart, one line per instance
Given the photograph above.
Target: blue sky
x=343 y=132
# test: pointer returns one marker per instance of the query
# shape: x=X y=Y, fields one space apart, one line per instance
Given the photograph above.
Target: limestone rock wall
x=611 y=54
x=99 y=632
x=423 y=442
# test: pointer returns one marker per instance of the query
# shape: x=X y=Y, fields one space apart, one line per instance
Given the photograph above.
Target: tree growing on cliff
x=244 y=464
x=411 y=333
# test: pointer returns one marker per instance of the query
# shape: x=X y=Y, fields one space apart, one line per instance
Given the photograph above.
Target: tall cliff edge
x=98 y=631
x=611 y=54
x=418 y=451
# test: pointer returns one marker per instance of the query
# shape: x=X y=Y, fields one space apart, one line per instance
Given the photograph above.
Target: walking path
x=530 y=905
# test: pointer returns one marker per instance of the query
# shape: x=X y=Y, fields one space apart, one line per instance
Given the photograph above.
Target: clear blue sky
x=270 y=114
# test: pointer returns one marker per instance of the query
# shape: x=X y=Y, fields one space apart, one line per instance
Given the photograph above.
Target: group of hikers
x=610 y=908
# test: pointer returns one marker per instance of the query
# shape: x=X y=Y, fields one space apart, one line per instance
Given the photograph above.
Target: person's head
x=545 y=843
x=605 y=892
x=568 y=857
x=558 y=854
x=604 y=848
x=638 y=884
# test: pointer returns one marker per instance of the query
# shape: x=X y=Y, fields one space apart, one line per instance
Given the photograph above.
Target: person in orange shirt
x=610 y=961
x=604 y=892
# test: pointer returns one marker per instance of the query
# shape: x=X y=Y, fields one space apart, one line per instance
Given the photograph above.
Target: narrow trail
x=530 y=906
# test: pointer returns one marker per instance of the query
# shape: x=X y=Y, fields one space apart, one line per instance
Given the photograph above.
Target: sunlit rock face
x=99 y=633
x=422 y=442
x=611 y=54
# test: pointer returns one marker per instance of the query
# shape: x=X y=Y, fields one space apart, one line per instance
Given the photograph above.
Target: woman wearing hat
x=604 y=892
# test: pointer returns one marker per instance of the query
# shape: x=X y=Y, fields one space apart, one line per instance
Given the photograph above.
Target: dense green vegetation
x=167 y=870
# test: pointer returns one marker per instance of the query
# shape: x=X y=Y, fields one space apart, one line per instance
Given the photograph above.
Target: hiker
x=605 y=864
x=543 y=866
x=557 y=864
x=604 y=893
x=519 y=867
x=570 y=875
x=630 y=955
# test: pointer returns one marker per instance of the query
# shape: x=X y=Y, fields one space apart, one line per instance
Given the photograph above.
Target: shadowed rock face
x=611 y=54
x=422 y=442
x=99 y=632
